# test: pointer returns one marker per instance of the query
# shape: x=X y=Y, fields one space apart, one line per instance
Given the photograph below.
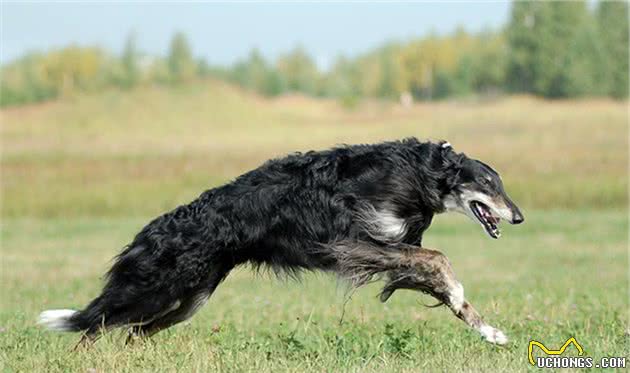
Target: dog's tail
x=65 y=320
x=112 y=307
x=59 y=320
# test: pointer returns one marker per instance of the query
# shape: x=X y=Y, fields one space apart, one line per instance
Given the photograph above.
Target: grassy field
x=82 y=175
x=562 y=274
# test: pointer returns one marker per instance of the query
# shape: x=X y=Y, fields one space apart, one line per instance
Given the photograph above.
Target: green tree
x=273 y=83
x=37 y=77
x=129 y=59
x=612 y=17
x=343 y=80
x=444 y=85
x=299 y=71
x=203 y=68
x=181 y=64
x=539 y=36
x=390 y=74
x=24 y=81
x=558 y=32
x=489 y=63
x=585 y=70
x=256 y=74
x=463 y=77
x=523 y=45
x=255 y=71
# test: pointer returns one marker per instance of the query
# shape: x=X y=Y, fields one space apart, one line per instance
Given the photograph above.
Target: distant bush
x=349 y=101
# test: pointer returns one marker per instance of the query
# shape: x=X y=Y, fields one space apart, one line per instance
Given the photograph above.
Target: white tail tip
x=56 y=319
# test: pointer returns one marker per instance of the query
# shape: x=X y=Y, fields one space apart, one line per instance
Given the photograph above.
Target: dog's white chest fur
x=389 y=224
x=382 y=224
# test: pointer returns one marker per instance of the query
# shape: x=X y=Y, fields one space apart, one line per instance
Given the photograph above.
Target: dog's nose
x=518 y=219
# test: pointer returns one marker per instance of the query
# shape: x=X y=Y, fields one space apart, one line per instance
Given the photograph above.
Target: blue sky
x=225 y=32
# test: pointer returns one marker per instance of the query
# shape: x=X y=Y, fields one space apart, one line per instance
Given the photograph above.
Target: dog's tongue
x=488 y=216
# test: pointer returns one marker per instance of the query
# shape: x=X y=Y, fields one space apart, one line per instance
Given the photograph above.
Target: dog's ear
x=449 y=157
x=452 y=162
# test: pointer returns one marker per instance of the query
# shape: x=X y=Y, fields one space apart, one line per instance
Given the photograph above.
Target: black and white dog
x=359 y=211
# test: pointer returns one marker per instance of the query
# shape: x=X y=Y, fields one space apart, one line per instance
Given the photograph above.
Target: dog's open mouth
x=485 y=217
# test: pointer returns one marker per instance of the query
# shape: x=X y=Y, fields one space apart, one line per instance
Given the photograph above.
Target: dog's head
x=476 y=190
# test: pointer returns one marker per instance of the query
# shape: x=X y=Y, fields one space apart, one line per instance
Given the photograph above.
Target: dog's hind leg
x=183 y=310
x=431 y=272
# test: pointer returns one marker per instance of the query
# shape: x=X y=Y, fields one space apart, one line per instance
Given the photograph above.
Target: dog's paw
x=493 y=335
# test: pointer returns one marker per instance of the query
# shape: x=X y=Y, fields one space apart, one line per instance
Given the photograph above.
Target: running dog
x=359 y=211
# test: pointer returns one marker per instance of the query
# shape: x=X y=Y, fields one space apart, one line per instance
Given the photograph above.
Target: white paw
x=493 y=335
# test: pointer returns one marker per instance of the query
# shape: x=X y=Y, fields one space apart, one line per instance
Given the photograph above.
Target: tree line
x=550 y=49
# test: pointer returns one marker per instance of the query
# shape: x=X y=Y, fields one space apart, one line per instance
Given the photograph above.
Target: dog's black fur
x=284 y=214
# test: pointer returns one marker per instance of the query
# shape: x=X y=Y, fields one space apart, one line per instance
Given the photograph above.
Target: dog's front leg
x=431 y=272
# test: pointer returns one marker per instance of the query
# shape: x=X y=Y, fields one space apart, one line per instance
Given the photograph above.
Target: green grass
x=561 y=274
